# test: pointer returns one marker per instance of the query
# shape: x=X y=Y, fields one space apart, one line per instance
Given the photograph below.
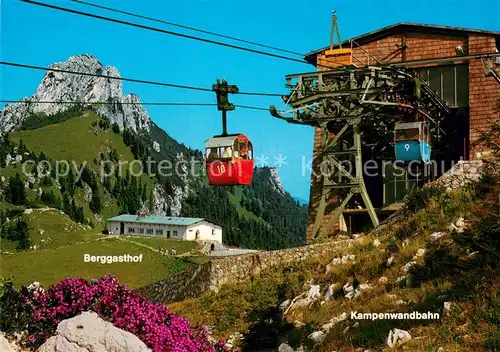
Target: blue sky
x=40 y=36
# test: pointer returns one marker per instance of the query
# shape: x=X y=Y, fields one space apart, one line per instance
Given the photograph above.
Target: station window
x=131 y=230
x=175 y=233
x=450 y=82
x=159 y=232
x=149 y=231
x=141 y=230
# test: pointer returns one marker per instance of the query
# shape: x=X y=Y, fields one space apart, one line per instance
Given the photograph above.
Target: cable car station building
x=441 y=82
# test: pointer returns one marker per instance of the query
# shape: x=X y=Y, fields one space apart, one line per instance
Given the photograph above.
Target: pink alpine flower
x=159 y=328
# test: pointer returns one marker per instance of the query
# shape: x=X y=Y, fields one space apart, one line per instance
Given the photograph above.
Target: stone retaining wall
x=461 y=174
x=217 y=272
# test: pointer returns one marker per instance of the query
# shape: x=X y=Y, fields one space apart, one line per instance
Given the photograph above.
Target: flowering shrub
x=159 y=328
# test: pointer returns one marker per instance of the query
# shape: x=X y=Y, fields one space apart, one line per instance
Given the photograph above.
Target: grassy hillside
x=460 y=268
x=50 y=229
x=74 y=139
x=50 y=266
x=180 y=247
x=81 y=139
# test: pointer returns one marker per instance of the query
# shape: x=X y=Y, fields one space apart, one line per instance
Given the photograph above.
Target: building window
x=451 y=83
x=175 y=233
x=159 y=232
x=149 y=231
x=213 y=231
x=131 y=230
x=141 y=230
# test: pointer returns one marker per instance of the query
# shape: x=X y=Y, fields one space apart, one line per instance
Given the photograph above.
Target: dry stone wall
x=461 y=174
x=217 y=272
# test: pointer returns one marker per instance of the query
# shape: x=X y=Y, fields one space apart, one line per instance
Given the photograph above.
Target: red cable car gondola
x=229 y=160
x=228 y=157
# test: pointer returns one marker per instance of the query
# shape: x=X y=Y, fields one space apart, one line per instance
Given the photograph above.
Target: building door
x=168 y=233
x=197 y=234
x=212 y=247
x=122 y=228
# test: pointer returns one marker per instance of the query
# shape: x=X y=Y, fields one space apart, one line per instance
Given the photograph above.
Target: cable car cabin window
x=212 y=154
x=250 y=152
x=243 y=149
x=405 y=134
x=227 y=153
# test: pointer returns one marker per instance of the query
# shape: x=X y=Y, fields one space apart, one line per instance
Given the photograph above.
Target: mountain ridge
x=125 y=110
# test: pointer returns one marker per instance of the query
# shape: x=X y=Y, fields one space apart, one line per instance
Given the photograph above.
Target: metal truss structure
x=355 y=108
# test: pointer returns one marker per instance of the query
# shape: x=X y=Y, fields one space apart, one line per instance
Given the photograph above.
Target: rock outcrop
x=275 y=180
x=125 y=110
x=88 y=332
x=164 y=203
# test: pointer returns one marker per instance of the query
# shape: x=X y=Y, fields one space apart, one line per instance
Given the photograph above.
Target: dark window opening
x=451 y=83
x=407 y=133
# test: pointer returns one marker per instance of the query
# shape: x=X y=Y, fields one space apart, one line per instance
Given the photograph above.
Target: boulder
x=5 y=345
x=406 y=268
x=305 y=298
x=400 y=279
x=435 y=236
x=389 y=261
x=351 y=294
x=348 y=288
x=285 y=348
x=314 y=293
x=420 y=252
x=317 y=336
x=284 y=305
x=383 y=280
x=397 y=337
x=330 y=291
x=335 y=320
x=89 y=333
x=446 y=309
x=364 y=287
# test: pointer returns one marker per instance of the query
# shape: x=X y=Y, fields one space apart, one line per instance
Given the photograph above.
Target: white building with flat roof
x=187 y=229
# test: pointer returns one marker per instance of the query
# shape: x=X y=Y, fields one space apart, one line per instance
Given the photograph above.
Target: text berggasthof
x=109 y=259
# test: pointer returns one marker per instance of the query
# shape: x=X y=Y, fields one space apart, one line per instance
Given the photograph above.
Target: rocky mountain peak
x=125 y=110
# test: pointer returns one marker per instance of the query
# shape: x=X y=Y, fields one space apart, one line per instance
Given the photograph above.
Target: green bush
x=439 y=262
x=420 y=198
x=408 y=230
x=13 y=318
x=492 y=341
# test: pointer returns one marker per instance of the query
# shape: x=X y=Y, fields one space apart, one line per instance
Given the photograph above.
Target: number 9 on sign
x=407 y=147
